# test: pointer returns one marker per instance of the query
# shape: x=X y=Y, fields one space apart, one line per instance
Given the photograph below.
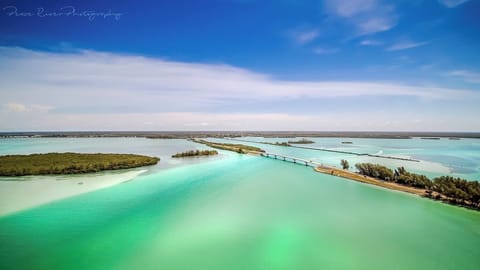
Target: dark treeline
x=277 y=143
x=69 y=163
x=301 y=141
x=458 y=188
x=282 y=144
x=194 y=153
x=450 y=189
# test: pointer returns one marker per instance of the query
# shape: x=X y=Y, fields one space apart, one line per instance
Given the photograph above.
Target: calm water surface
x=242 y=212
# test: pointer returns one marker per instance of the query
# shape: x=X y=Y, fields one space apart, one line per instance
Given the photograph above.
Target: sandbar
x=31 y=191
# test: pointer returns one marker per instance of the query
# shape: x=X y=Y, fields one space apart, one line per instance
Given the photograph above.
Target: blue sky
x=240 y=65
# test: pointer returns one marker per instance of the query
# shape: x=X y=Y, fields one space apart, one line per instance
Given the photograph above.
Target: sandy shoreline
x=369 y=180
x=32 y=191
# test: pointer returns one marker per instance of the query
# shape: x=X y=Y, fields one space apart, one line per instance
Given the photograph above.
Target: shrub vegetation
x=69 y=163
x=194 y=153
x=345 y=164
x=301 y=141
x=454 y=190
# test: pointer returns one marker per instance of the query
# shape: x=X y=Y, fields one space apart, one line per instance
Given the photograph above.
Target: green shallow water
x=241 y=212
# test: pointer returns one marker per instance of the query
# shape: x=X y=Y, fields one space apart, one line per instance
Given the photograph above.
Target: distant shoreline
x=223 y=134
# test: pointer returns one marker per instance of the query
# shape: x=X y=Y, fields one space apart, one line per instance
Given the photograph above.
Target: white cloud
x=370 y=42
x=15 y=107
x=349 y=8
x=469 y=76
x=95 y=78
x=199 y=124
x=361 y=121
x=304 y=37
x=320 y=50
x=374 y=25
x=22 y=108
x=368 y=16
x=452 y=3
x=405 y=45
x=93 y=90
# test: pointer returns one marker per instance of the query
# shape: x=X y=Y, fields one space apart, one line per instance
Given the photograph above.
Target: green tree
x=345 y=164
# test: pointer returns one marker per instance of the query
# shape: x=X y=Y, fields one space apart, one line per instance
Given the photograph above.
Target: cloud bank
x=93 y=90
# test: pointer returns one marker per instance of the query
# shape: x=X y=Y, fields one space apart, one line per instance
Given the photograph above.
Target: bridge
x=294 y=160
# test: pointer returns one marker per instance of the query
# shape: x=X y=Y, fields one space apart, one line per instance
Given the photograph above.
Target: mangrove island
x=301 y=141
x=70 y=163
x=195 y=153
x=239 y=148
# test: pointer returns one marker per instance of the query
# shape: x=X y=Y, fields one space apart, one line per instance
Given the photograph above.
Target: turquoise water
x=233 y=212
x=459 y=158
x=152 y=147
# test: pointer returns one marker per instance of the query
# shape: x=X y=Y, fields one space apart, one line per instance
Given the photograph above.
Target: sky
x=331 y=65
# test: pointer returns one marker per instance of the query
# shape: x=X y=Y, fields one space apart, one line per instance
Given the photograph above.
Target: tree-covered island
x=195 y=153
x=239 y=148
x=70 y=163
x=301 y=141
x=276 y=143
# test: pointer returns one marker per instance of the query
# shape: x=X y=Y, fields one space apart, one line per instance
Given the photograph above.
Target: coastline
x=370 y=180
x=232 y=134
x=32 y=191
x=393 y=186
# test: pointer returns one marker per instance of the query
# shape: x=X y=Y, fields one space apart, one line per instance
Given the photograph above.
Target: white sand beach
x=31 y=191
